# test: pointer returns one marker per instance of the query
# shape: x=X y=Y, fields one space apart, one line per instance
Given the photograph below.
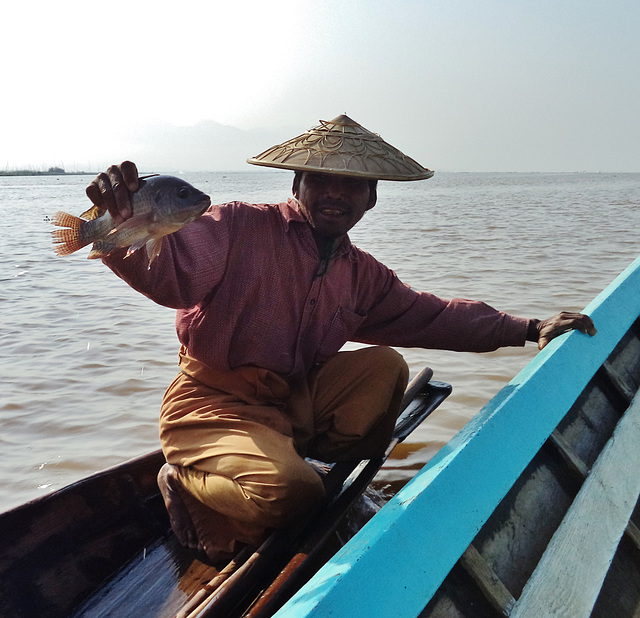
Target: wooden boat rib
x=531 y=510
x=103 y=546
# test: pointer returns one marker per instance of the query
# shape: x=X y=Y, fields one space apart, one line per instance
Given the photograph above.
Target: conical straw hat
x=342 y=146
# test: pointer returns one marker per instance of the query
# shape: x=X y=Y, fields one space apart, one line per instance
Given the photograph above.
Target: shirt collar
x=291 y=213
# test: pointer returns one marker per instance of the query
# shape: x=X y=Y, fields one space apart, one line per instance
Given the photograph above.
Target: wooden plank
x=489 y=583
x=570 y=574
x=579 y=467
x=569 y=455
x=416 y=539
x=626 y=392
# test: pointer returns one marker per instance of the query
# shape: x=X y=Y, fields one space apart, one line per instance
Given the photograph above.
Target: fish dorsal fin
x=94 y=212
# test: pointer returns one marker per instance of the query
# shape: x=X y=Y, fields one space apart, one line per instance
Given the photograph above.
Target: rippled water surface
x=85 y=360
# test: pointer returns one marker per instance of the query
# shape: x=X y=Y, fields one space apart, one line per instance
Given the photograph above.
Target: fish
x=161 y=205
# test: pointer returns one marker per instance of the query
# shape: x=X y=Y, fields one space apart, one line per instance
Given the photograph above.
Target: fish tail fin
x=69 y=238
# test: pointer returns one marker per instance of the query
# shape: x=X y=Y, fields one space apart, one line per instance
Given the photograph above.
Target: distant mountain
x=206 y=146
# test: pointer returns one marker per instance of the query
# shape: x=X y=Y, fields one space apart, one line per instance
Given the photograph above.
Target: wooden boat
x=530 y=511
x=103 y=546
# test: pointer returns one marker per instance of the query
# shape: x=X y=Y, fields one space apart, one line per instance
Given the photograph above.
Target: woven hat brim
x=343 y=147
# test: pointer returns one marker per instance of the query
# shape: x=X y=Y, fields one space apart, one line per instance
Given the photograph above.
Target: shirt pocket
x=343 y=326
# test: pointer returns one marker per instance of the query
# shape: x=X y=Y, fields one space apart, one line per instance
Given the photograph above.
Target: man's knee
x=388 y=359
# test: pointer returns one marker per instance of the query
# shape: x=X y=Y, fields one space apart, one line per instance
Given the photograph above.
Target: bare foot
x=181 y=522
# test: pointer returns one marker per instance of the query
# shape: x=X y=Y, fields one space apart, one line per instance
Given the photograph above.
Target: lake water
x=85 y=360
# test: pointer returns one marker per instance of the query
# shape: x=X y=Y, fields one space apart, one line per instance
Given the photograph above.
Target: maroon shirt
x=246 y=282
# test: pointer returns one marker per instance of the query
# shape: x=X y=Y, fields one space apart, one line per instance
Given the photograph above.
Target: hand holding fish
x=129 y=213
x=543 y=331
x=112 y=190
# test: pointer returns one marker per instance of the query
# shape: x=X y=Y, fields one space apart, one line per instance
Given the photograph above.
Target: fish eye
x=183 y=193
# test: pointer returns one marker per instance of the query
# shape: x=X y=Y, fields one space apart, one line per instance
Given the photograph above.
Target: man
x=266 y=296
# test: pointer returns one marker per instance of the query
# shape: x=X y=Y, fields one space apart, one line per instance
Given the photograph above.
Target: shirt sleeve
x=191 y=263
x=406 y=318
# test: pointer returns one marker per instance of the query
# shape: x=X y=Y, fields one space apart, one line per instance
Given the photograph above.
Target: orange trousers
x=238 y=438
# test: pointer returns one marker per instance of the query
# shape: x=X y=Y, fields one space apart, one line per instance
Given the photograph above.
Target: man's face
x=333 y=204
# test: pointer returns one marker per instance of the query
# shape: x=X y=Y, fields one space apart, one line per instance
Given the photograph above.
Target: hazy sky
x=500 y=85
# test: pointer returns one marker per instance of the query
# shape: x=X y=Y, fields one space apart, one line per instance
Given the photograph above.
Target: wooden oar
x=193 y=606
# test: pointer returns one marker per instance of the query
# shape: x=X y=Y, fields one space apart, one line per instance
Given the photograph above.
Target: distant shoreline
x=53 y=171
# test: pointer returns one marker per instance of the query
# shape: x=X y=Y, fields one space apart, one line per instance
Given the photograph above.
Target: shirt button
x=312 y=301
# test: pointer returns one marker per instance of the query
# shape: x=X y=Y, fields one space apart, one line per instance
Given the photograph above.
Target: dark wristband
x=532 y=330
